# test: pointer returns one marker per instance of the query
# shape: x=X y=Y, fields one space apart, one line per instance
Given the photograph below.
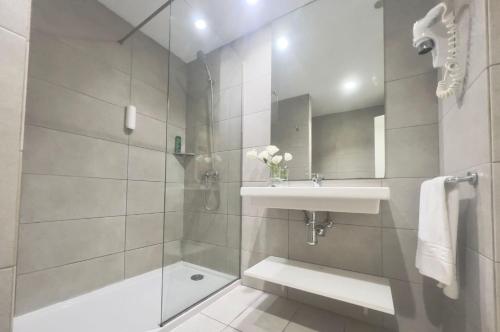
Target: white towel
x=437 y=234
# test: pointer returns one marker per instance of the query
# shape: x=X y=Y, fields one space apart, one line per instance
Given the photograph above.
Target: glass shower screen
x=201 y=250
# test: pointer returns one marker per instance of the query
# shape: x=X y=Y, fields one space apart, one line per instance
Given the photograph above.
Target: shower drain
x=197 y=277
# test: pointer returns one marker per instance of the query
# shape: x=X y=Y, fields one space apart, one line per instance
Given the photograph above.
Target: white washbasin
x=338 y=199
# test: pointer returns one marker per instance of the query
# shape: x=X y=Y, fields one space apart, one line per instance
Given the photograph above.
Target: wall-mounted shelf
x=184 y=154
x=356 y=288
x=336 y=199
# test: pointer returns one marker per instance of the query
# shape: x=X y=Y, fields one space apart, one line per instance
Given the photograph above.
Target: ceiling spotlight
x=252 y=2
x=282 y=43
x=350 y=85
x=200 y=24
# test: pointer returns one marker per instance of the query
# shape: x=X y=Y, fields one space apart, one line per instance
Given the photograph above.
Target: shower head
x=203 y=58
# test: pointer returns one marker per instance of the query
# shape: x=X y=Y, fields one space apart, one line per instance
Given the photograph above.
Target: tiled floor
x=248 y=310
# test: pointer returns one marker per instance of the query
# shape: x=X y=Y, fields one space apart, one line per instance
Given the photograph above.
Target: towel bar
x=472 y=178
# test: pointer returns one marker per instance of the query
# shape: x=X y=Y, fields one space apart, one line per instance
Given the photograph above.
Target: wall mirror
x=328 y=89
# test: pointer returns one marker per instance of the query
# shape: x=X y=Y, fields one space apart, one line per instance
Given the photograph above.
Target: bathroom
x=249 y=165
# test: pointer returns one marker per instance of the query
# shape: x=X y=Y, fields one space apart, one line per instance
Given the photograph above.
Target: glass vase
x=276 y=176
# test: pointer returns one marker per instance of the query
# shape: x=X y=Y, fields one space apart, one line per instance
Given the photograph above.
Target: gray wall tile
x=139 y=261
x=459 y=138
x=15 y=16
x=494 y=31
x=399 y=247
x=412 y=101
x=12 y=66
x=54 y=152
x=401 y=59
x=257 y=129
x=175 y=169
x=412 y=152
x=88 y=20
x=149 y=133
x=49 y=244
x=263 y=235
x=206 y=227
x=357 y=248
x=149 y=101
x=233 y=232
x=6 y=300
x=88 y=26
x=150 y=62
x=145 y=164
x=475 y=218
x=144 y=230
x=257 y=94
x=145 y=197
x=47 y=106
x=401 y=211
x=56 y=62
x=174 y=197
x=419 y=307
x=174 y=226
x=495 y=111
x=57 y=198
x=39 y=289
x=472 y=32
x=172 y=252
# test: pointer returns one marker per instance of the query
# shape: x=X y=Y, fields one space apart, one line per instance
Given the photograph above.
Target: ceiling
x=335 y=53
x=227 y=20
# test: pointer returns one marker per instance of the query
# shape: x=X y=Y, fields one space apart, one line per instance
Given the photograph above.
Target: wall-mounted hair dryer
x=437 y=33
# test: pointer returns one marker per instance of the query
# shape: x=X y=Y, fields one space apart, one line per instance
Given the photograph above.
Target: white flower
x=252 y=154
x=288 y=156
x=277 y=159
x=272 y=149
x=264 y=155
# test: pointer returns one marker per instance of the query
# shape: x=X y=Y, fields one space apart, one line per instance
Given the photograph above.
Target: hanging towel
x=437 y=234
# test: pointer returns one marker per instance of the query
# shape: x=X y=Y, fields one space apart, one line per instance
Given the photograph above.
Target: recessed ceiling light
x=252 y=2
x=282 y=43
x=350 y=85
x=200 y=24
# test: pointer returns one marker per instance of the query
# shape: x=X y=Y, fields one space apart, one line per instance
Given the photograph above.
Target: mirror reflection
x=328 y=91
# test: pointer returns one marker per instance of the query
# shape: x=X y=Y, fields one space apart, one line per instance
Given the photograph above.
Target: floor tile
x=308 y=319
x=269 y=313
x=228 y=307
x=200 y=323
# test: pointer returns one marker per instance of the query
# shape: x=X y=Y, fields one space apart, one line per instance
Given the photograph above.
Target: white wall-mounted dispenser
x=130 y=117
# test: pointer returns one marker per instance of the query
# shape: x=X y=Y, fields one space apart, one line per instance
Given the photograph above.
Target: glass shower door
x=203 y=173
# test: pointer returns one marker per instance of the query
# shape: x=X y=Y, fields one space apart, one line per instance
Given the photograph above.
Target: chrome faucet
x=316 y=179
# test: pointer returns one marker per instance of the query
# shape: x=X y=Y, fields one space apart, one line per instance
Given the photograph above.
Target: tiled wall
x=92 y=203
x=296 y=138
x=344 y=144
x=468 y=143
x=14 y=42
x=212 y=238
x=383 y=244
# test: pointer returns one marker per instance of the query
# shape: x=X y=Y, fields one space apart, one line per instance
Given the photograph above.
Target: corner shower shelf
x=184 y=154
x=356 y=288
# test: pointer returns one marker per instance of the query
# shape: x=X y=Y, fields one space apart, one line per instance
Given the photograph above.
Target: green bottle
x=178 y=144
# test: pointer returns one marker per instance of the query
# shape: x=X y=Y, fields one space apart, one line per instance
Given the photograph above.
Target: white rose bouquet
x=278 y=164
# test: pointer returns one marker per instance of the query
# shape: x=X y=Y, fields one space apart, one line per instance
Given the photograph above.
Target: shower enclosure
x=122 y=230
